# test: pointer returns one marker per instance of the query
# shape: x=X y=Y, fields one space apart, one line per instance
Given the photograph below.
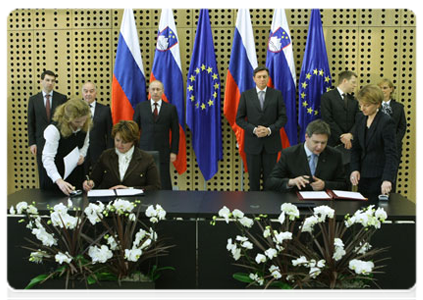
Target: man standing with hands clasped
x=261 y=113
x=41 y=108
x=156 y=120
x=311 y=165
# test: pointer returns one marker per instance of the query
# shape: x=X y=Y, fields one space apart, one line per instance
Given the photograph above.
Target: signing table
x=200 y=256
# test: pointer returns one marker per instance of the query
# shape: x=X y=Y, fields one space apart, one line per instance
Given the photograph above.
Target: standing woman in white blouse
x=70 y=129
x=125 y=165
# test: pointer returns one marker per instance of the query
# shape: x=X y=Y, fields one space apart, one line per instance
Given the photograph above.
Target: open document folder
x=113 y=193
x=71 y=161
x=330 y=195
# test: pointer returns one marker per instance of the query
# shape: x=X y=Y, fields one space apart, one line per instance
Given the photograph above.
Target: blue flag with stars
x=315 y=75
x=203 y=100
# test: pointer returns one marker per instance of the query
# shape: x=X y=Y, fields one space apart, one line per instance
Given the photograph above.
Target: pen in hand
x=88 y=182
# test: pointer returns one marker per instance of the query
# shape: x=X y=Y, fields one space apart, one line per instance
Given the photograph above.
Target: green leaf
x=281 y=285
x=243 y=277
x=36 y=280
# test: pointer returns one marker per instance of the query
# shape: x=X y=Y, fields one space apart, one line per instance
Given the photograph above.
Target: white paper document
x=315 y=195
x=113 y=193
x=347 y=194
x=71 y=161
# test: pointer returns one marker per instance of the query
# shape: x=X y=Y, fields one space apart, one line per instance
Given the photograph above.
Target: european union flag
x=315 y=75
x=203 y=100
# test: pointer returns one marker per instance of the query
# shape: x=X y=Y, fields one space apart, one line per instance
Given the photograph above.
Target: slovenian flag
x=167 y=68
x=128 y=85
x=280 y=62
x=240 y=74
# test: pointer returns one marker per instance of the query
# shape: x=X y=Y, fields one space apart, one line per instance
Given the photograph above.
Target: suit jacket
x=373 y=153
x=37 y=118
x=141 y=173
x=155 y=135
x=341 y=118
x=398 y=116
x=100 y=134
x=250 y=115
x=293 y=163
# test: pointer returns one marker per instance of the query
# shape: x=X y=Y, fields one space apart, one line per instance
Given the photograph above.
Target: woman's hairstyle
x=128 y=131
x=370 y=94
x=388 y=82
x=69 y=111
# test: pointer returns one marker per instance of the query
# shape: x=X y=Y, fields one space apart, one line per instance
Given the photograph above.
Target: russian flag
x=240 y=74
x=167 y=68
x=128 y=85
x=280 y=62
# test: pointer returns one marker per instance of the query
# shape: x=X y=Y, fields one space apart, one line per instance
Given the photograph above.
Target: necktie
x=386 y=108
x=312 y=163
x=155 y=112
x=344 y=97
x=261 y=98
x=48 y=106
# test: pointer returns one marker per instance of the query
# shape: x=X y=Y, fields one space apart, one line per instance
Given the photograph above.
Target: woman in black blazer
x=125 y=165
x=373 y=156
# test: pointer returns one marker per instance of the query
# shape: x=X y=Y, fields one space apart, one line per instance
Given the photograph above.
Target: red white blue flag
x=240 y=74
x=128 y=85
x=280 y=62
x=167 y=68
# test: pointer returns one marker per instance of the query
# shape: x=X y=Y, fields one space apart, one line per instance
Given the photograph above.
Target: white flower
x=309 y=224
x=275 y=271
x=62 y=219
x=46 y=238
x=21 y=206
x=241 y=238
x=362 y=249
x=280 y=237
x=237 y=214
x=63 y=257
x=132 y=217
x=271 y=253
x=260 y=258
x=247 y=245
x=338 y=242
x=153 y=235
x=112 y=243
x=145 y=244
x=350 y=221
x=100 y=255
x=299 y=261
x=314 y=272
x=281 y=218
x=133 y=254
x=230 y=245
x=291 y=210
x=70 y=203
x=361 y=267
x=12 y=210
x=236 y=253
x=139 y=236
x=155 y=214
x=225 y=213
x=37 y=257
x=60 y=208
x=321 y=263
x=381 y=214
x=123 y=206
x=322 y=212
x=32 y=210
x=94 y=212
x=266 y=232
x=256 y=278
x=246 y=222
x=339 y=253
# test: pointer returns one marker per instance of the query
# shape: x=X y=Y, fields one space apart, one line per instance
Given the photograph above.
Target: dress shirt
x=159 y=105
x=92 y=107
x=341 y=92
x=258 y=95
x=309 y=153
x=124 y=160
x=52 y=137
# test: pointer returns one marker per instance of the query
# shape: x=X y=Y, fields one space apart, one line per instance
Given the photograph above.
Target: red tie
x=48 y=106
x=155 y=112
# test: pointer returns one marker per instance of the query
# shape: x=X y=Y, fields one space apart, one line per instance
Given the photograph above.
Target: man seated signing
x=311 y=165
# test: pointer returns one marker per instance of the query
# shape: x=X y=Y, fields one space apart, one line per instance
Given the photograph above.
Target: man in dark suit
x=311 y=165
x=41 y=108
x=339 y=109
x=261 y=113
x=100 y=134
x=158 y=120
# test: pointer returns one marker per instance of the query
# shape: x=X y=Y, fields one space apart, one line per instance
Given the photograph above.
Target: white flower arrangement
x=65 y=239
x=309 y=253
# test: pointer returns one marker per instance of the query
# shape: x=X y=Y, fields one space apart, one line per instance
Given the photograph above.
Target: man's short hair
x=260 y=68
x=345 y=75
x=47 y=72
x=318 y=127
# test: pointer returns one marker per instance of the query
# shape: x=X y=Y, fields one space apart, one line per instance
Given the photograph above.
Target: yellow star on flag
x=309 y=110
x=209 y=70
x=321 y=72
x=203 y=67
x=308 y=76
x=214 y=94
x=203 y=106
x=192 y=78
x=305 y=104
x=214 y=76
x=316 y=112
x=303 y=95
x=315 y=71
x=304 y=84
x=216 y=86
x=327 y=79
x=190 y=88
x=192 y=98
x=197 y=70
x=210 y=102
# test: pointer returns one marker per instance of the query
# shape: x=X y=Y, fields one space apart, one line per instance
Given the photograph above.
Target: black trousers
x=259 y=167
x=165 y=176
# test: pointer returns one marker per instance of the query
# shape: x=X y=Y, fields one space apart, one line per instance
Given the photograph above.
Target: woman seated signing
x=126 y=165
